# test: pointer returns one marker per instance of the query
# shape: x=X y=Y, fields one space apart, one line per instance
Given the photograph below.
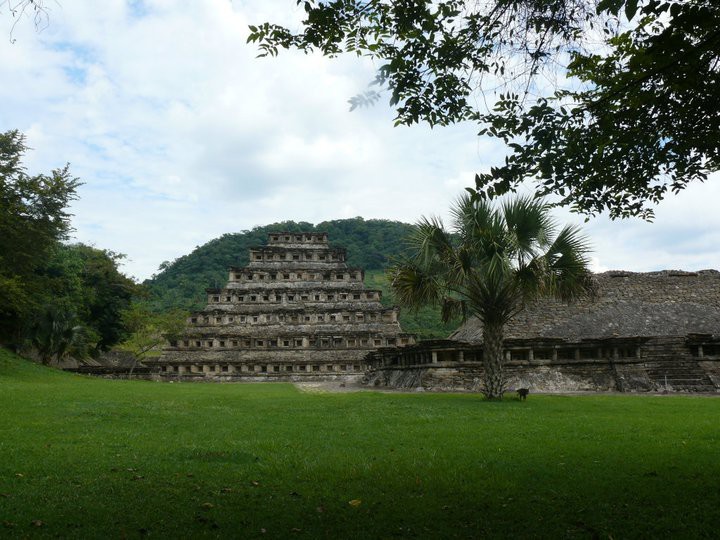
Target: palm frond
x=452 y=308
x=430 y=241
x=533 y=279
x=493 y=298
x=567 y=262
x=499 y=260
x=414 y=287
x=529 y=227
x=471 y=217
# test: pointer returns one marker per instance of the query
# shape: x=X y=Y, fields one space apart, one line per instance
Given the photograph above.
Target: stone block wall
x=296 y=311
x=664 y=303
x=662 y=364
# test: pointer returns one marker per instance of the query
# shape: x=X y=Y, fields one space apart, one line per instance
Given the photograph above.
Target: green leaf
x=631 y=7
x=611 y=6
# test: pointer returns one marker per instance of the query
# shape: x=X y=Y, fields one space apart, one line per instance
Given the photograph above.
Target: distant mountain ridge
x=371 y=244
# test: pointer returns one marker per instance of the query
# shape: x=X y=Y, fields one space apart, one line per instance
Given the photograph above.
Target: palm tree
x=490 y=265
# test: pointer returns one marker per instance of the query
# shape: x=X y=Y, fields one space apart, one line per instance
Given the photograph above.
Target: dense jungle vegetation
x=56 y=299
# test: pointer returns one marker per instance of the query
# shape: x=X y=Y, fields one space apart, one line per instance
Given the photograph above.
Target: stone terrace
x=296 y=311
x=656 y=331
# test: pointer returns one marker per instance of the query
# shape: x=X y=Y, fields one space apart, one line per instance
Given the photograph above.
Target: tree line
x=56 y=298
x=370 y=244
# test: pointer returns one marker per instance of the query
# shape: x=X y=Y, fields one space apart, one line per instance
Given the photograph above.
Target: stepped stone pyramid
x=297 y=311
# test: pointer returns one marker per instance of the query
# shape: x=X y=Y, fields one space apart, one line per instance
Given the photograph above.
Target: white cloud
x=180 y=135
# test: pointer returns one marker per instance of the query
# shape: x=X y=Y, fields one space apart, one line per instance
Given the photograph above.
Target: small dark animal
x=523 y=393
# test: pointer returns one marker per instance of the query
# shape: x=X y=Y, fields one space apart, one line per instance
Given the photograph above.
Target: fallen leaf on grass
x=37 y=523
x=295 y=530
x=355 y=503
x=255 y=483
x=263 y=531
x=19 y=474
x=207 y=505
x=137 y=477
x=226 y=490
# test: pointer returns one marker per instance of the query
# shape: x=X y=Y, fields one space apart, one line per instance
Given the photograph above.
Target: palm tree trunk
x=494 y=383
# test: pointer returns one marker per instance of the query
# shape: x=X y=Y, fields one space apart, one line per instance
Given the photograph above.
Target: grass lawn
x=83 y=457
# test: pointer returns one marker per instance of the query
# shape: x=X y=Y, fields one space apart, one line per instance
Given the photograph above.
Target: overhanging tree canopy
x=639 y=116
x=33 y=219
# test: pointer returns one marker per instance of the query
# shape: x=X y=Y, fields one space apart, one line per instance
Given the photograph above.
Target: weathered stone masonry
x=657 y=331
x=296 y=311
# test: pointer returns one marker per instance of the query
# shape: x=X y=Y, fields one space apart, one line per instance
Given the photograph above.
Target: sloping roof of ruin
x=628 y=304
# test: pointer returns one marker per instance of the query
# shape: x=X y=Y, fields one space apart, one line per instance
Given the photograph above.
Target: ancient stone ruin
x=297 y=311
x=645 y=332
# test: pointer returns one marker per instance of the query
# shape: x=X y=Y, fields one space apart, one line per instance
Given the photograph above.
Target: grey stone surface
x=297 y=311
x=642 y=332
x=665 y=303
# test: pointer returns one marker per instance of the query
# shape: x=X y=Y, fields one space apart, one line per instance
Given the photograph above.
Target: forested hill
x=370 y=245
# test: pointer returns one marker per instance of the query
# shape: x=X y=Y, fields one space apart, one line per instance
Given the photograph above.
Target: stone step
x=696 y=384
x=694 y=388
x=686 y=382
x=677 y=374
x=680 y=376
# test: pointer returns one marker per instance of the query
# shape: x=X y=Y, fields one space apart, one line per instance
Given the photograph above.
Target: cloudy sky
x=180 y=134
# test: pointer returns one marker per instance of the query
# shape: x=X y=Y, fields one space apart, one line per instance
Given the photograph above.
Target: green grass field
x=90 y=458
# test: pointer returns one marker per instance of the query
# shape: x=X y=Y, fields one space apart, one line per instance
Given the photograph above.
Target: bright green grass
x=97 y=458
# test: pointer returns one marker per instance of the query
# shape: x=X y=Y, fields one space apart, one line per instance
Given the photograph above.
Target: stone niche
x=295 y=312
